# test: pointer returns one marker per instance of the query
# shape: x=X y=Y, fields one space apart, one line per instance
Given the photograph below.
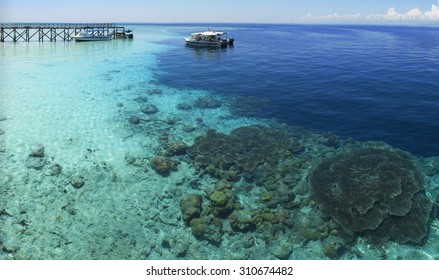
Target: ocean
x=151 y=149
x=365 y=82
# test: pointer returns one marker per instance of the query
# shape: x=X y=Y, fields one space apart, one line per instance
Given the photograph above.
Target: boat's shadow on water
x=209 y=52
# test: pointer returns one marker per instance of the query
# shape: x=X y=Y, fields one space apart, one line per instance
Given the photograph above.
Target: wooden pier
x=16 y=32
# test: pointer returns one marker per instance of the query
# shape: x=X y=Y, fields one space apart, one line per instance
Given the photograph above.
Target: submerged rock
x=141 y=99
x=281 y=249
x=154 y=91
x=188 y=128
x=36 y=163
x=172 y=120
x=37 y=151
x=134 y=119
x=54 y=170
x=133 y=160
x=149 y=109
x=36 y=159
x=77 y=181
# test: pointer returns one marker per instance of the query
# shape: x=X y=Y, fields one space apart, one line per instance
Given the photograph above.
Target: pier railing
x=54 y=31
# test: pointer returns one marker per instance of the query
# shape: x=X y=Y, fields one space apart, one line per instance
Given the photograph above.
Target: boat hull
x=196 y=43
x=91 y=38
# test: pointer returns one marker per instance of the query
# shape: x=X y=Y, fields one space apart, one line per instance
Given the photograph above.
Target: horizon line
x=368 y=23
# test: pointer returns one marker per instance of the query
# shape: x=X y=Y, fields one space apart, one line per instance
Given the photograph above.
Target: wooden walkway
x=55 y=31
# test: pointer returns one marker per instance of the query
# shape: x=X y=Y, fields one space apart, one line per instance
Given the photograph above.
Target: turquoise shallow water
x=61 y=90
x=107 y=151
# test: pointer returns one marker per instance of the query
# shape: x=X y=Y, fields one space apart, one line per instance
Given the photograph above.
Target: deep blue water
x=365 y=82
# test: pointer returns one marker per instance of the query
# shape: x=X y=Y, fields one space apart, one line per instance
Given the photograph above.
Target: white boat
x=86 y=35
x=209 y=39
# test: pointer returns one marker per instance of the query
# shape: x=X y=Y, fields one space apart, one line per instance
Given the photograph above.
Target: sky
x=223 y=11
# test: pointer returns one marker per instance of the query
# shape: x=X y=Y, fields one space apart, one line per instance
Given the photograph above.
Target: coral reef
x=207 y=102
x=222 y=202
x=437 y=206
x=175 y=148
x=164 y=165
x=241 y=221
x=281 y=247
x=190 y=206
x=206 y=221
x=333 y=250
x=241 y=151
x=376 y=192
x=207 y=227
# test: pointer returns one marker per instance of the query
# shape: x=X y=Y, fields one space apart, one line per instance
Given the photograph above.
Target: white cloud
x=413 y=14
x=392 y=14
x=433 y=14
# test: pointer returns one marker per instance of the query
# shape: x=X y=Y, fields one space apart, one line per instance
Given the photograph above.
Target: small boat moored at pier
x=86 y=35
x=209 y=39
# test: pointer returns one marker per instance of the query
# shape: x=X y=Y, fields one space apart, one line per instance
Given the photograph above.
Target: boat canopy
x=208 y=33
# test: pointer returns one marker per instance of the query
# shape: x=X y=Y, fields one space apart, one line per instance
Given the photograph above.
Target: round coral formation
x=190 y=205
x=376 y=192
x=218 y=198
x=164 y=165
